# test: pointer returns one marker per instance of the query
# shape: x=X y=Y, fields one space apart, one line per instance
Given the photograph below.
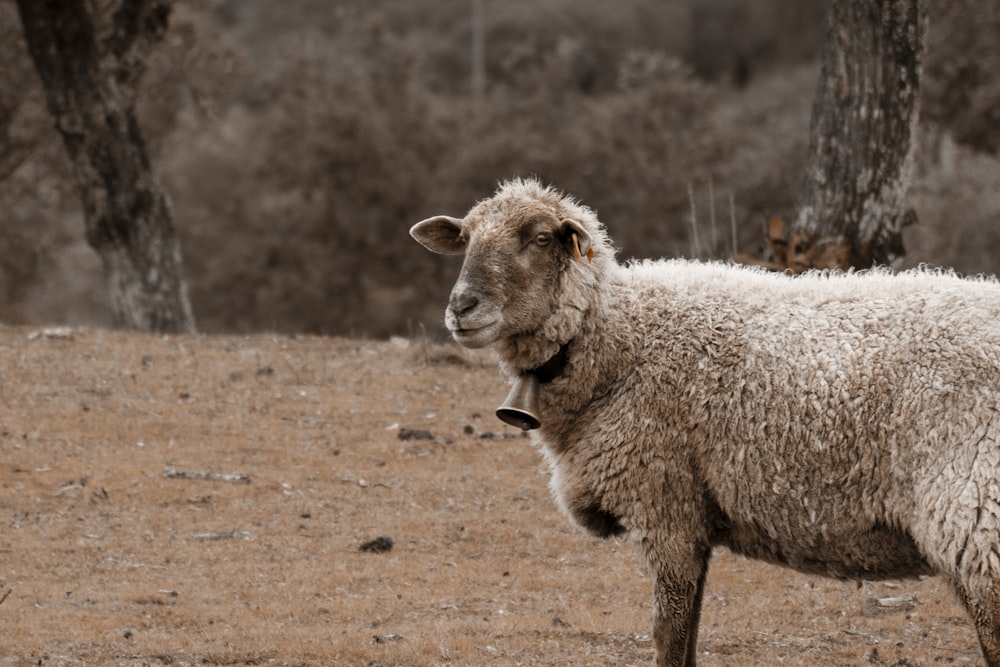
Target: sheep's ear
x=441 y=234
x=576 y=239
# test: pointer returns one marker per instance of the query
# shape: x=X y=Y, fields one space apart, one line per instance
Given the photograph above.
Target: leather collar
x=554 y=367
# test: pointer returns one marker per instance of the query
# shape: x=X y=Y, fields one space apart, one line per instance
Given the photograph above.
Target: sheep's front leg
x=677 y=612
x=983 y=604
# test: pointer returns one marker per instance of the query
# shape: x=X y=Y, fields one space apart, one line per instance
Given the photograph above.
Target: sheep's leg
x=678 y=610
x=984 y=607
x=989 y=638
x=695 y=618
x=985 y=611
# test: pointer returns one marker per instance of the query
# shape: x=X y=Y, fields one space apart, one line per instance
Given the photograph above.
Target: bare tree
x=90 y=86
x=853 y=207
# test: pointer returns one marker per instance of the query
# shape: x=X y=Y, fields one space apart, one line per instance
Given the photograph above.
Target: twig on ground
x=295 y=373
x=221 y=535
x=148 y=412
x=238 y=478
x=52 y=333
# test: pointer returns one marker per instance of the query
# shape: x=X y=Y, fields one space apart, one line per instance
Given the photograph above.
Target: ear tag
x=577 y=255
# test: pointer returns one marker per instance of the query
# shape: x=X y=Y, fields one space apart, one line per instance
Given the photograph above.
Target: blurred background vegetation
x=298 y=141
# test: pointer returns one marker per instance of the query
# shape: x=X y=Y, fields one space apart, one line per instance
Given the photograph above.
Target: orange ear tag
x=576 y=250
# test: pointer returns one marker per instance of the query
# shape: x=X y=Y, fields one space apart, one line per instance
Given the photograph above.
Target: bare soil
x=172 y=500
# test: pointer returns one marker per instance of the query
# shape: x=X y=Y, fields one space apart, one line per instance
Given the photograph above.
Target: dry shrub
x=962 y=89
x=341 y=148
x=956 y=194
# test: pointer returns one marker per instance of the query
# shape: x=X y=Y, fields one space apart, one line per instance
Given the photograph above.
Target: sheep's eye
x=543 y=239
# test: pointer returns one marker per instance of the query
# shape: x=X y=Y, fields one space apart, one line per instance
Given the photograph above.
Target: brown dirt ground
x=105 y=560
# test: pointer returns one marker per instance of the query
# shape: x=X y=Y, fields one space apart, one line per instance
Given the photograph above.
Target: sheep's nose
x=463 y=302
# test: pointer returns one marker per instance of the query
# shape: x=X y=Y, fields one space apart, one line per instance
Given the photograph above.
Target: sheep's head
x=522 y=247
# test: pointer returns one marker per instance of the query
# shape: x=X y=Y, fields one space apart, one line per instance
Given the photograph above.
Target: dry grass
x=105 y=560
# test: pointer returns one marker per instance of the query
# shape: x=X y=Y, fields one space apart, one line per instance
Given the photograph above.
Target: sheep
x=842 y=424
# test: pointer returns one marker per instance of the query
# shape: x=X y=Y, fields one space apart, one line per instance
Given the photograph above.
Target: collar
x=554 y=367
x=521 y=407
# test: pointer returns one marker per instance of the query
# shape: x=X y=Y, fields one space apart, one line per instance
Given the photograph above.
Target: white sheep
x=838 y=424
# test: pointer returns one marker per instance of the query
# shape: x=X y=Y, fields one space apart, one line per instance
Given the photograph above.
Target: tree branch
x=137 y=26
x=51 y=29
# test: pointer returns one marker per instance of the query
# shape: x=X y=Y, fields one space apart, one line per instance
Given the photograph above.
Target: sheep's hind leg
x=678 y=610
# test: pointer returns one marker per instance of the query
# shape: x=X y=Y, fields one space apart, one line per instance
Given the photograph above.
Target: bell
x=521 y=407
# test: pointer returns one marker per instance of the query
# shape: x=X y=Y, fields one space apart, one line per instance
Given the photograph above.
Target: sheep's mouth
x=476 y=336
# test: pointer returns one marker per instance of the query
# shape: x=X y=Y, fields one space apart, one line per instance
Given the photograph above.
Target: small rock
x=379 y=545
x=415 y=434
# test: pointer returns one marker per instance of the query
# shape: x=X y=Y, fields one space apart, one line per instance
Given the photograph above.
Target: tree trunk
x=90 y=88
x=864 y=118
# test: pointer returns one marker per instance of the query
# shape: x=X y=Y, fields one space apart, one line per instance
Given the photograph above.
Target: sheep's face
x=515 y=253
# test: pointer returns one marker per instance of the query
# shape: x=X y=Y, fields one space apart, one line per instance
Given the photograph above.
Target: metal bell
x=521 y=407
